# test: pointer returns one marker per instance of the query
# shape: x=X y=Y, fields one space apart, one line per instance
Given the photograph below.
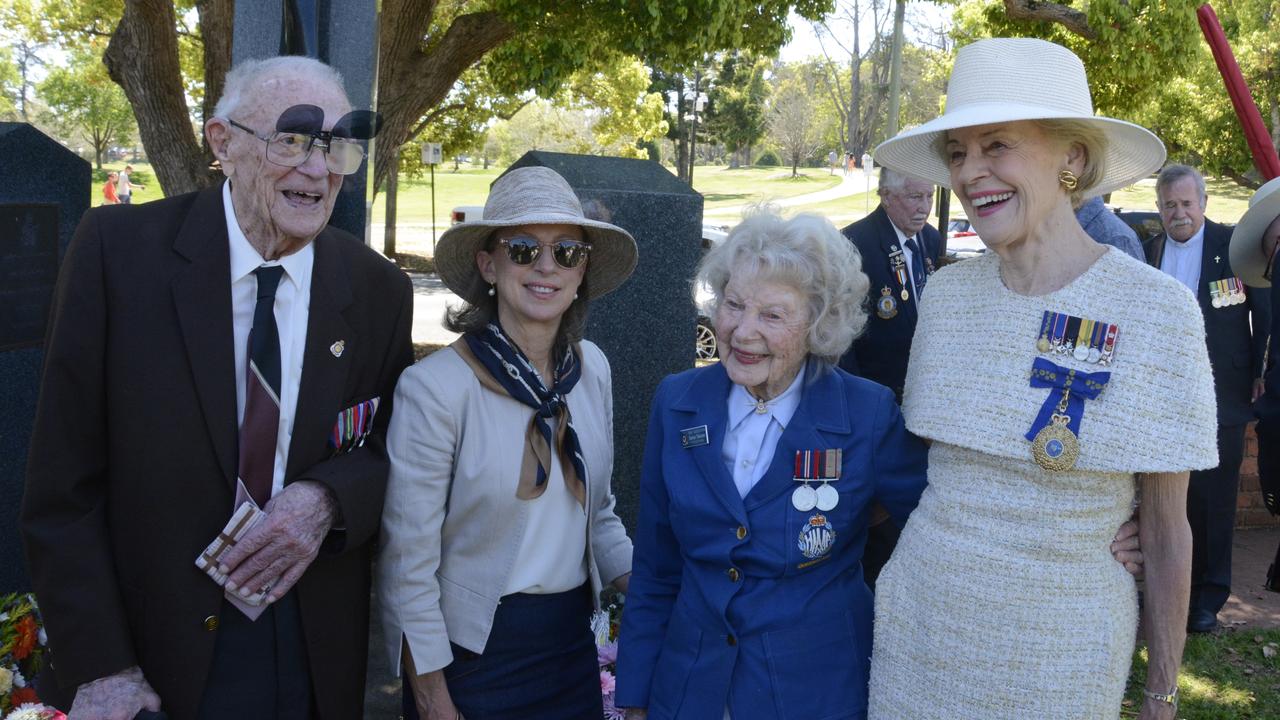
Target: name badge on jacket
x=353 y=426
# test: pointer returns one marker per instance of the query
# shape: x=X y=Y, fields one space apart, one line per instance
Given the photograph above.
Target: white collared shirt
x=907 y=255
x=292 y=309
x=1182 y=259
x=751 y=437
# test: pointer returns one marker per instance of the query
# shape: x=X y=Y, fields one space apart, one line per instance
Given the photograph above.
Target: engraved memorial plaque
x=28 y=271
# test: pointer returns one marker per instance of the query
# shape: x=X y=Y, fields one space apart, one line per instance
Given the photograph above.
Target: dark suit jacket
x=881 y=352
x=134 y=450
x=1235 y=350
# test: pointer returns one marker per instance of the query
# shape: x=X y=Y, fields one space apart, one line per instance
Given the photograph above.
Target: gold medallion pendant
x=1055 y=447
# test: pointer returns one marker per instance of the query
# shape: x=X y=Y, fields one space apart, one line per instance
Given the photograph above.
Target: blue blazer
x=725 y=606
x=881 y=352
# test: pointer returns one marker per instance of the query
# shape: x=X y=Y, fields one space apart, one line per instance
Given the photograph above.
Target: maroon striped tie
x=261 y=423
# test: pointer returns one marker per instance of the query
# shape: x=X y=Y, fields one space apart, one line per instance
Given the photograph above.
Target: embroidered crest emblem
x=817 y=537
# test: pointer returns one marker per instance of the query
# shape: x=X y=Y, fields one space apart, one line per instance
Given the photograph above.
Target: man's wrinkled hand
x=114 y=697
x=273 y=555
x=1125 y=549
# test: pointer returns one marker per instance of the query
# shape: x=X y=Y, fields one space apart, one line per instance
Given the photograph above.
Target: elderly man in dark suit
x=899 y=251
x=207 y=352
x=1195 y=251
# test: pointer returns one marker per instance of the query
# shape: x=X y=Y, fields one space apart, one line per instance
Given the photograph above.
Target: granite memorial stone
x=44 y=189
x=647 y=327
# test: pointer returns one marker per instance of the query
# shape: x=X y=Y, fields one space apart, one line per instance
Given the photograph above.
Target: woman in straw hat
x=498 y=530
x=759 y=475
x=1052 y=376
x=1255 y=247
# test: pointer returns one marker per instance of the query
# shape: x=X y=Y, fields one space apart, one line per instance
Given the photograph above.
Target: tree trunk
x=412 y=80
x=142 y=58
x=216 y=28
x=389 y=227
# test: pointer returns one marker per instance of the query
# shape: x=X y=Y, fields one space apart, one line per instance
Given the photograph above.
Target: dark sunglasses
x=524 y=250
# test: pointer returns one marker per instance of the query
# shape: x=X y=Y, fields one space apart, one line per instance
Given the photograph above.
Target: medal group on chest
x=1226 y=292
x=1085 y=340
x=1055 y=434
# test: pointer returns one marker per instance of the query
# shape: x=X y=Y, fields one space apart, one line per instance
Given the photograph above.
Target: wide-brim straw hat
x=1008 y=79
x=1247 y=258
x=533 y=196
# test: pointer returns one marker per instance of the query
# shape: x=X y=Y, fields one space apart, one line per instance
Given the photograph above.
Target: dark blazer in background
x=880 y=354
x=134 y=451
x=1235 y=350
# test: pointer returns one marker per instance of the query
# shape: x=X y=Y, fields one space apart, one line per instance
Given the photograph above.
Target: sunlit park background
x=749 y=103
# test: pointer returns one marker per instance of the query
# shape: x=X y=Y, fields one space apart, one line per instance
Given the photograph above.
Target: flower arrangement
x=605 y=626
x=22 y=647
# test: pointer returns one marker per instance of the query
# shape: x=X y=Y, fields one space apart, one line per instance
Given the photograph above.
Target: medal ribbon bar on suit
x=1086 y=340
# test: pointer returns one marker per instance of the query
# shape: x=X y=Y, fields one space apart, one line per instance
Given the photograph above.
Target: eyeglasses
x=1271 y=264
x=291 y=149
x=524 y=250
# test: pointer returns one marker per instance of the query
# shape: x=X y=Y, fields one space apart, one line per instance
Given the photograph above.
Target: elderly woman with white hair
x=747 y=596
x=1053 y=377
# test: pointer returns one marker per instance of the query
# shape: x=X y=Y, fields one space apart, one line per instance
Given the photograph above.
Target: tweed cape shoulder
x=968 y=382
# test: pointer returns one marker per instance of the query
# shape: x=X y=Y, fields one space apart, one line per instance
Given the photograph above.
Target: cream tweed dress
x=1002 y=599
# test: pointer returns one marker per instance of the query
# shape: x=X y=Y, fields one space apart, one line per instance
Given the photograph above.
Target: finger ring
x=266 y=588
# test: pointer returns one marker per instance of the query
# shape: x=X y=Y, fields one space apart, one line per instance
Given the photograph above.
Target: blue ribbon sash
x=1077 y=386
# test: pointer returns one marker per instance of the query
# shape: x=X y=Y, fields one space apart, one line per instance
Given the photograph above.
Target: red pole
x=1255 y=132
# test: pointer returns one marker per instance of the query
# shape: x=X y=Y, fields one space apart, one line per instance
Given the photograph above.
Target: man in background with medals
x=1195 y=251
x=899 y=251
x=1255 y=246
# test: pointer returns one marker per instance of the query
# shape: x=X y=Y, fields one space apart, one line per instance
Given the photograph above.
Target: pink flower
x=610 y=711
x=607 y=682
x=607 y=654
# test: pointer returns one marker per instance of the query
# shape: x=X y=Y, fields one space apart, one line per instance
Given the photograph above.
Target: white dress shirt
x=907 y=255
x=1182 y=259
x=292 y=309
x=751 y=437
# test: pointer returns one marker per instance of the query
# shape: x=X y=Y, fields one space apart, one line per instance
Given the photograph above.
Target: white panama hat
x=1007 y=79
x=1247 y=259
x=533 y=196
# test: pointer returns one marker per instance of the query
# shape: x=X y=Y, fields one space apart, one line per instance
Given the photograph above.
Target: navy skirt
x=538 y=664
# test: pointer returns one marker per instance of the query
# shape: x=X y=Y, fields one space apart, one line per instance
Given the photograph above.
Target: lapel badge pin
x=338 y=347
x=694 y=436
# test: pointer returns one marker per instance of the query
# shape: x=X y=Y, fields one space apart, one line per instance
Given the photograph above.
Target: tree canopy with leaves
x=82 y=98
x=425 y=48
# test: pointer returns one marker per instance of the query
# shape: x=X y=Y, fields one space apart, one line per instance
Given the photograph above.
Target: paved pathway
x=851 y=184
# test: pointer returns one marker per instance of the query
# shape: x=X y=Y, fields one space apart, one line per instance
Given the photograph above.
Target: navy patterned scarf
x=503 y=368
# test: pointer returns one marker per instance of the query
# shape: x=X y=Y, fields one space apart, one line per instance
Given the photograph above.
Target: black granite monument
x=647 y=326
x=44 y=189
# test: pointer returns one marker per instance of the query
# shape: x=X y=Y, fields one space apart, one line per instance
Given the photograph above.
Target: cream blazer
x=452 y=524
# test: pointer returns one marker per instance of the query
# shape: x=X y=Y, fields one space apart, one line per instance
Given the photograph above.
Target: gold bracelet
x=1170 y=698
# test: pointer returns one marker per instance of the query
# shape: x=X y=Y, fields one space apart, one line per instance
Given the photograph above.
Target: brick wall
x=1250 y=511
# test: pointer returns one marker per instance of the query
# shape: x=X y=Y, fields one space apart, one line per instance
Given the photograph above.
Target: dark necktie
x=917 y=266
x=261 y=423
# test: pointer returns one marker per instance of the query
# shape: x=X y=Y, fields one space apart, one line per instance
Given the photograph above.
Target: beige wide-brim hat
x=1247 y=258
x=533 y=196
x=1008 y=79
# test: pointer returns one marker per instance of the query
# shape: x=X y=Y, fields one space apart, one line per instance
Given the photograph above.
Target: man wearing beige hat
x=1193 y=249
x=1255 y=243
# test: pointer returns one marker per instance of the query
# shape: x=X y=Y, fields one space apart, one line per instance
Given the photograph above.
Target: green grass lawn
x=724 y=189
x=1225 y=676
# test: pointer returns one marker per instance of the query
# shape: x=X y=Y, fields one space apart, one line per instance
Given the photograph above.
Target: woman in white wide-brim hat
x=498 y=530
x=1052 y=376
